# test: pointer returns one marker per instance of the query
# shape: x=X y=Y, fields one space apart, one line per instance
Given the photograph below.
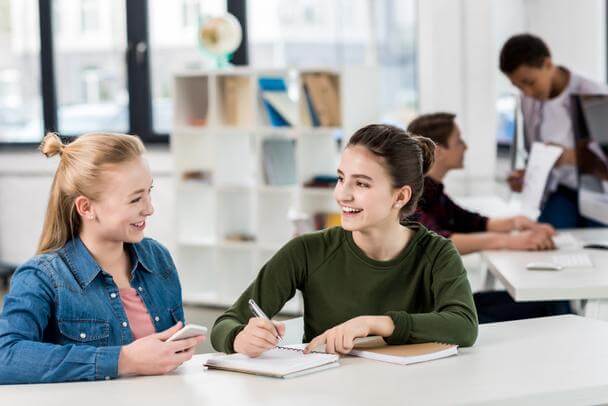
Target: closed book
x=377 y=349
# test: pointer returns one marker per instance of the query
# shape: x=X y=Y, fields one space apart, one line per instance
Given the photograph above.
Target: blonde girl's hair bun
x=51 y=145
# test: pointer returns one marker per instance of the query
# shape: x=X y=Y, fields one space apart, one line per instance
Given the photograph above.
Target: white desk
x=567 y=284
x=557 y=360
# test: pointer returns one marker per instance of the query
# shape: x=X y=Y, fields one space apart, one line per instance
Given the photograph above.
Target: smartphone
x=189 y=331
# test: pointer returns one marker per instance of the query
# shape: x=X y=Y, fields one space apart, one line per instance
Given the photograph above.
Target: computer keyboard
x=573 y=260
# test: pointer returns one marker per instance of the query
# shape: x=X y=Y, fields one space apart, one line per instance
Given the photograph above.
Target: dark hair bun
x=427 y=146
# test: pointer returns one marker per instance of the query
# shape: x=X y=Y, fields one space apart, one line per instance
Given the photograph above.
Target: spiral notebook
x=376 y=348
x=279 y=362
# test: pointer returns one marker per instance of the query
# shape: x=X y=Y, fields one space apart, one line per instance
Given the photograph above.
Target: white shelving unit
x=220 y=184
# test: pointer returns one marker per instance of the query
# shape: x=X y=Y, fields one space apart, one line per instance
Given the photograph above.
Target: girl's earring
x=91 y=217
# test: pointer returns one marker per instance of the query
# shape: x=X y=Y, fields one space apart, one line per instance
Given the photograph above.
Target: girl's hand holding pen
x=258 y=336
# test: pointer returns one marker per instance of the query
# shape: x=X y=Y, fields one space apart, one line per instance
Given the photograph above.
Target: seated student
x=470 y=232
x=99 y=300
x=374 y=275
x=546 y=105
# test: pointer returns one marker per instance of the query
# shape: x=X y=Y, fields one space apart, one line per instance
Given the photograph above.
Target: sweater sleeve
x=465 y=221
x=275 y=284
x=453 y=319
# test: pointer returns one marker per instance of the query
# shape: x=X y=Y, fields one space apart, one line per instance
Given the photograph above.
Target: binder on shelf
x=312 y=116
x=323 y=98
x=279 y=161
x=282 y=105
x=236 y=105
x=281 y=110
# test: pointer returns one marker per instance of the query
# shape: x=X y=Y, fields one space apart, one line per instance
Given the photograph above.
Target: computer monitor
x=510 y=134
x=590 y=125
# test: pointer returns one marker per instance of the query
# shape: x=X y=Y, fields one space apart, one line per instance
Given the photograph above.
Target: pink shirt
x=137 y=313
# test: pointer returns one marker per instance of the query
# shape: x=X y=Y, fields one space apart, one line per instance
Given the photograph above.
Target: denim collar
x=84 y=267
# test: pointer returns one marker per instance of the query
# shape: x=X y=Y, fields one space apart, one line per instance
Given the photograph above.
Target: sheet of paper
x=541 y=160
x=564 y=240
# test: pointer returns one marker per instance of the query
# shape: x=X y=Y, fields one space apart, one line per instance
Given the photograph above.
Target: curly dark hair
x=523 y=49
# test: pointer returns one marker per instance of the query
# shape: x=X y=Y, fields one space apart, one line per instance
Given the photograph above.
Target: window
x=5 y=17
x=90 y=68
x=89 y=85
x=20 y=101
x=85 y=83
x=89 y=15
x=339 y=33
x=191 y=10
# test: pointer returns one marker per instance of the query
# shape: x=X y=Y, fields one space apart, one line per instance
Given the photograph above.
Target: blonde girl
x=99 y=300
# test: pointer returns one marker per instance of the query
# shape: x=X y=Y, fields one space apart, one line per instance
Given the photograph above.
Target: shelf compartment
x=191 y=100
x=234 y=217
x=196 y=207
x=236 y=272
x=235 y=159
x=274 y=226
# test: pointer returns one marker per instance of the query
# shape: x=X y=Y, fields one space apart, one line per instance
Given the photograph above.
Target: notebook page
x=277 y=361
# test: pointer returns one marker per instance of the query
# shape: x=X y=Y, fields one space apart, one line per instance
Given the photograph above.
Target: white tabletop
x=567 y=284
x=557 y=360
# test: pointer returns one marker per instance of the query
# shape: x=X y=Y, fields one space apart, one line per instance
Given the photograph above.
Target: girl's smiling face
x=365 y=191
x=120 y=213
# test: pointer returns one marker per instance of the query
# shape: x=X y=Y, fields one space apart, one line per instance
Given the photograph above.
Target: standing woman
x=377 y=274
x=99 y=300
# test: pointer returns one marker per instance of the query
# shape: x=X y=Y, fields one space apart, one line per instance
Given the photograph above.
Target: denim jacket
x=63 y=319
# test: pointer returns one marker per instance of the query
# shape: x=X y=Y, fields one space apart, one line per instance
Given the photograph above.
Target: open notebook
x=376 y=348
x=279 y=362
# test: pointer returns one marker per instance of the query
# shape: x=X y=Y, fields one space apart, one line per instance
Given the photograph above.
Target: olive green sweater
x=424 y=290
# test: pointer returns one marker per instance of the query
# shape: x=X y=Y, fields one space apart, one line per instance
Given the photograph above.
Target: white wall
x=456 y=74
x=575 y=32
x=25 y=180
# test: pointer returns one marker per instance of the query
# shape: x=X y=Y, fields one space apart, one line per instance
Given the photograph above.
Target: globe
x=220 y=36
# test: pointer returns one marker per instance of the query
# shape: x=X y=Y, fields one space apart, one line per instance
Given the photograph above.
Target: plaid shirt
x=440 y=214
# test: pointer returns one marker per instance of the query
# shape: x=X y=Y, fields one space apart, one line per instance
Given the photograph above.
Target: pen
x=258 y=312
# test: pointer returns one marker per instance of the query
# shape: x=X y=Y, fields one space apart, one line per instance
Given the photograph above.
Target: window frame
x=137 y=64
